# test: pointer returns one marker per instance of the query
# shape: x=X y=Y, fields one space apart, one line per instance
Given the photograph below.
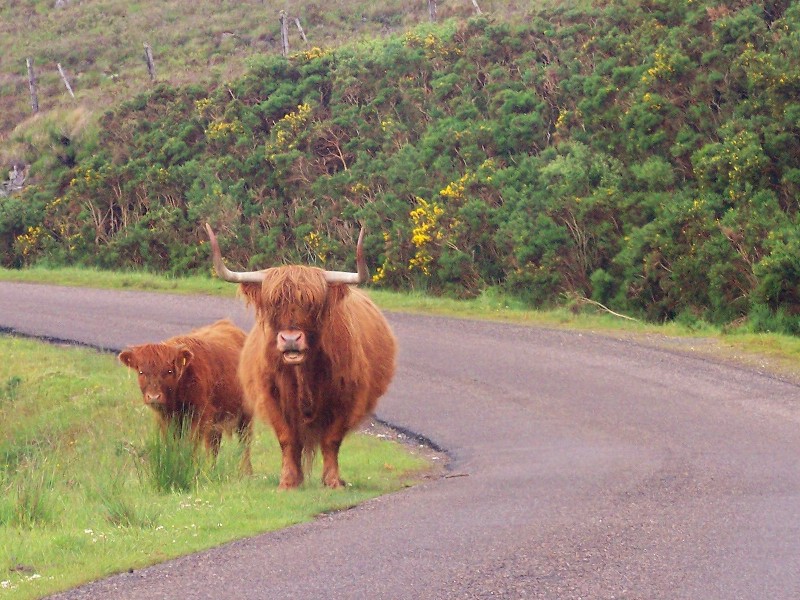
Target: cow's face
x=289 y=307
x=294 y=331
x=159 y=368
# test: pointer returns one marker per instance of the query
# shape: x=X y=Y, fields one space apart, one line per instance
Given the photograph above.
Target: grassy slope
x=76 y=501
x=100 y=45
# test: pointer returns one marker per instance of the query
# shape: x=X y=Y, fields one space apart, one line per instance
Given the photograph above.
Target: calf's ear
x=185 y=357
x=127 y=358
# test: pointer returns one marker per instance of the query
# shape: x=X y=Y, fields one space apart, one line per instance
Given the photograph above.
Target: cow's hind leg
x=330 y=443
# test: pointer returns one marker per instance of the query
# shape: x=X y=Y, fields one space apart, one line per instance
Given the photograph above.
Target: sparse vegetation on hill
x=641 y=154
x=99 y=43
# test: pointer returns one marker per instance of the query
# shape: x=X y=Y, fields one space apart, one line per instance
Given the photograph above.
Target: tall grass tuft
x=10 y=389
x=173 y=462
x=126 y=510
x=27 y=497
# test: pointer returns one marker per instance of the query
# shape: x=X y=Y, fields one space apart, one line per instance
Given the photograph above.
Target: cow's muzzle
x=292 y=346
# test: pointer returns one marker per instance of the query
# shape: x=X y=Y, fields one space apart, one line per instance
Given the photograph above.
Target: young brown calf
x=193 y=376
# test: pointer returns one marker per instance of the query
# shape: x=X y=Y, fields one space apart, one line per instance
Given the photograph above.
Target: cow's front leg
x=331 y=442
x=291 y=468
x=288 y=438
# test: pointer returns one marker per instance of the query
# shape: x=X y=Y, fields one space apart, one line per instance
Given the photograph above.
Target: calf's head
x=159 y=367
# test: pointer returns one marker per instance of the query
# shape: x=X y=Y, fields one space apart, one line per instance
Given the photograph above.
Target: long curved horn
x=361 y=265
x=223 y=272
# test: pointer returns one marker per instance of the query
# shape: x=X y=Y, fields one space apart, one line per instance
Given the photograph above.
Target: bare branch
x=584 y=300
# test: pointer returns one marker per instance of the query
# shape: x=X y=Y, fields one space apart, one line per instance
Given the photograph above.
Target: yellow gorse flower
x=219 y=130
x=316 y=246
x=425 y=231
x=285 y=131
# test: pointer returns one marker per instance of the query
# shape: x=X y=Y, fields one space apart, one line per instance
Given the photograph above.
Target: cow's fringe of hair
x=309 y=454
x=311 y=441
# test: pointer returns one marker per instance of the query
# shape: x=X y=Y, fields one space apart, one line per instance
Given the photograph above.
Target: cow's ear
x=336 y=293
x=128 y=358
x=251 y=293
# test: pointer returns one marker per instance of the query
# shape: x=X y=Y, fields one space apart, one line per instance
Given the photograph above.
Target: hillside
x=99 y=43
x=641 y=154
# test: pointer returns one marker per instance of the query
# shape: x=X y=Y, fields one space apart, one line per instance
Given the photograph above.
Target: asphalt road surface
x=581 y=467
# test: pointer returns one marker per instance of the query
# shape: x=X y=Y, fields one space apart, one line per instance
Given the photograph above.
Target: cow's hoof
x=290 y=483
x=334 y=483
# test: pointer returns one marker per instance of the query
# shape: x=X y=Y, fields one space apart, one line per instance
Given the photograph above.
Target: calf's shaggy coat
x=194 y=377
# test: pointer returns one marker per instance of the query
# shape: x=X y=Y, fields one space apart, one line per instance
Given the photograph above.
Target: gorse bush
x=641 y=154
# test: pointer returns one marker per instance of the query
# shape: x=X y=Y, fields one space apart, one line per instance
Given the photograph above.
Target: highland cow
x=316 y=361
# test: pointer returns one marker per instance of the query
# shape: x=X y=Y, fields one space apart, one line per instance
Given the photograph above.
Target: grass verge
x=777 y=353
x=77 y=496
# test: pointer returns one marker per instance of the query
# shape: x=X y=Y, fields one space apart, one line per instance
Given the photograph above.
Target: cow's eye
x=141 y=372
x=169 y=372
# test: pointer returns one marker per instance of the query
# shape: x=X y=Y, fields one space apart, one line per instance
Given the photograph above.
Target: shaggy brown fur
x=193 y=376
x=314 y=365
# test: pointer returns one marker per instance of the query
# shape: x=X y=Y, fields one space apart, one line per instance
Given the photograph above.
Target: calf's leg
x=245 y=432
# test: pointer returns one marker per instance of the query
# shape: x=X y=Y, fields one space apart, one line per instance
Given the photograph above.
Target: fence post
x=284 y=34
x=432 y=10
x=32 y=86
x=65 y=80
x=151 y=66
x=300 y=29
x=477 y=8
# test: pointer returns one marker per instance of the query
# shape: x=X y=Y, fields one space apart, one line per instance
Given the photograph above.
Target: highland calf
x=316 y=361
x=192 y=379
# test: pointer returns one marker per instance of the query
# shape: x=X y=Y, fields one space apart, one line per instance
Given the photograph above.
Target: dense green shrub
x=644 y=155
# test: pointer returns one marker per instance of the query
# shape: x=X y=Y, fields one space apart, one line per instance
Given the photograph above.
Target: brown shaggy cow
x=316 y=361
x=193 y=376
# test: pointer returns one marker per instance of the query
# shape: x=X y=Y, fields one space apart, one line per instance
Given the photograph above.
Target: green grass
x=83 y=277
x=77 y=497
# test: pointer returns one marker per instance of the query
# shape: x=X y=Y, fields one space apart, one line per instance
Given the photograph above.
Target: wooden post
x=284 y=34
x=477 y=8
x=151 y=66
x=432 y=10
x=300 y=29
x=65 y=80
x=32 y=86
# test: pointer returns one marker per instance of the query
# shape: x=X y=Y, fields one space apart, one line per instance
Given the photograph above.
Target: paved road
x=588 y=468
